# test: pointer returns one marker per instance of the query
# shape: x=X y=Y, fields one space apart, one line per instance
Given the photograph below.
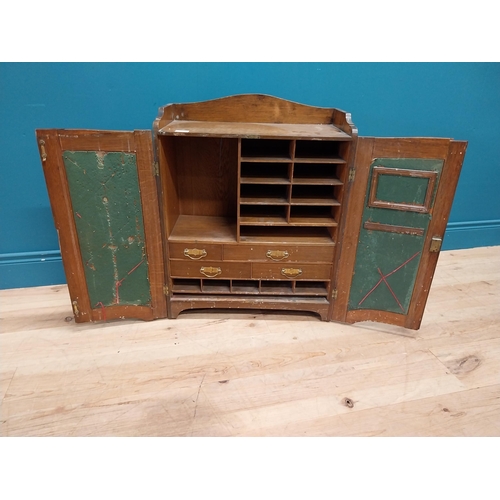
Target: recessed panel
x=106 y=204
x=402 y=189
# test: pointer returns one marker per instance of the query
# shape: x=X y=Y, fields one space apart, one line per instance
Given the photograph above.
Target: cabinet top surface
x=254 y=130
x=254 y=116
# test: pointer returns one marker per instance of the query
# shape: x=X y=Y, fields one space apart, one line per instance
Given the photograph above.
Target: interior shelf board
x=186 y=288
x=276 y=289
x=257 y=200
x=323 y=239
x=264 y=180
x=212 y=287
x=319 y=160
x=235 y=299
x=246 y=289
x=253 y=130
x=332 y=202
x=313 y=221
x=204 y=228
x=328 y=181
x=320 y=290
x=266 y=159
x=263 y=221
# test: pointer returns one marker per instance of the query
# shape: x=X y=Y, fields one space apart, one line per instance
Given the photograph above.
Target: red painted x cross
x=383 y=279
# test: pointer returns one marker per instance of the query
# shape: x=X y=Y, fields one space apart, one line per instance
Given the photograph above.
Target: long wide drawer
x=279 y=253
x=195 y=251
x=298 y=271
x=210 y=269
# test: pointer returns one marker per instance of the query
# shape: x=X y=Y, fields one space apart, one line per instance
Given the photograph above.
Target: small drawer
x=195 y=251
x=279 y=253
x=210 y=269
x=293 y=272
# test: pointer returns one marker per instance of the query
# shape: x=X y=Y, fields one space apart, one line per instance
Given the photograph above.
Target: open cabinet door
x=398 y=210
x=103 y=196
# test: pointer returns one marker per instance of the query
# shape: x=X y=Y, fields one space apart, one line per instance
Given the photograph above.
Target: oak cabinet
x=246 y=202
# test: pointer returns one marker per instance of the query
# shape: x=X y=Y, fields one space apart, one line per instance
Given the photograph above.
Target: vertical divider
x=293 y=286
x=290 y=178
x=201 y=285
x=230 y=286
x=238 y=192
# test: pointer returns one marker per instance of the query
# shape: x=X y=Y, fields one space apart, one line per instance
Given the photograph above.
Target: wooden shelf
x=263 y=221
x=313 y=221
x=204 y=228
x=216 y=286
x=286 y=235
x=258 y=200
x=265 y=159
x=250 y=287
x=326 y=181
x=311 y=288
x=336 y=161
x=323 y=201
x=264 y=180
x=254 y=130
x=245 y=287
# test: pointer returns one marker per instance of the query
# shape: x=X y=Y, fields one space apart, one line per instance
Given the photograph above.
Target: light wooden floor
x=253 y=374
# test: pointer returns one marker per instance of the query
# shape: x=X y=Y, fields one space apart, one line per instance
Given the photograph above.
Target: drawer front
x=195 y=251
x=294 y=272
x=279 y=253
x=210 y=269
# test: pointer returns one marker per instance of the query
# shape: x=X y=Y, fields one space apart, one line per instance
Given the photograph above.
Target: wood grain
x=179 y=128
x=257 y=373
x=62 y=212
x=258 y=109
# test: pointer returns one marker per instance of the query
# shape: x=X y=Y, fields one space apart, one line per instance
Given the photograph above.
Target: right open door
x=398 y=209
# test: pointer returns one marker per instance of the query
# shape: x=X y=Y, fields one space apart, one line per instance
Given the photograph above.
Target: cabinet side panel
x=168 y=183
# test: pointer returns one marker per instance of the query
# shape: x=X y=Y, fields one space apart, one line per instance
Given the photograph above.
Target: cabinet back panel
x=249 y=108
x=207 y=171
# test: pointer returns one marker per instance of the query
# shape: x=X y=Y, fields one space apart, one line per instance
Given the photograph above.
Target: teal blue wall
x=434 y=100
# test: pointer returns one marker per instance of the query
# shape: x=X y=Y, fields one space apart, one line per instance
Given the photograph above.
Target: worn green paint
x=378 y=250
x=398 y=189
x=104 y=190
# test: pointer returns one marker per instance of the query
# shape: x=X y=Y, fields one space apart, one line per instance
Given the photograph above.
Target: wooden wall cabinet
x=249 y=202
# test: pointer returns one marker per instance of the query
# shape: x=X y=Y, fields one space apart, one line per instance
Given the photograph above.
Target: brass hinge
x=43 y=153
x=165 y=289
x=76 y=312
x=334 y=294
x=435 y=244
x=352 y=173
x=156 y=169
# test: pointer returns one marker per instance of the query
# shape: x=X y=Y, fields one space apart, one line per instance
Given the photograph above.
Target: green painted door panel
x=105 y=197
x=387 y=260
x=399 y=189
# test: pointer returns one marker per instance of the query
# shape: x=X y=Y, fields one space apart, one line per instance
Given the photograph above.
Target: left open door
x=104 y=200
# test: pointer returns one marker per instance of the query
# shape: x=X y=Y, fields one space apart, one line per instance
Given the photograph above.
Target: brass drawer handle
x=277 y=254
x=210 y=272
x=195 y=253
x=290 y=272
